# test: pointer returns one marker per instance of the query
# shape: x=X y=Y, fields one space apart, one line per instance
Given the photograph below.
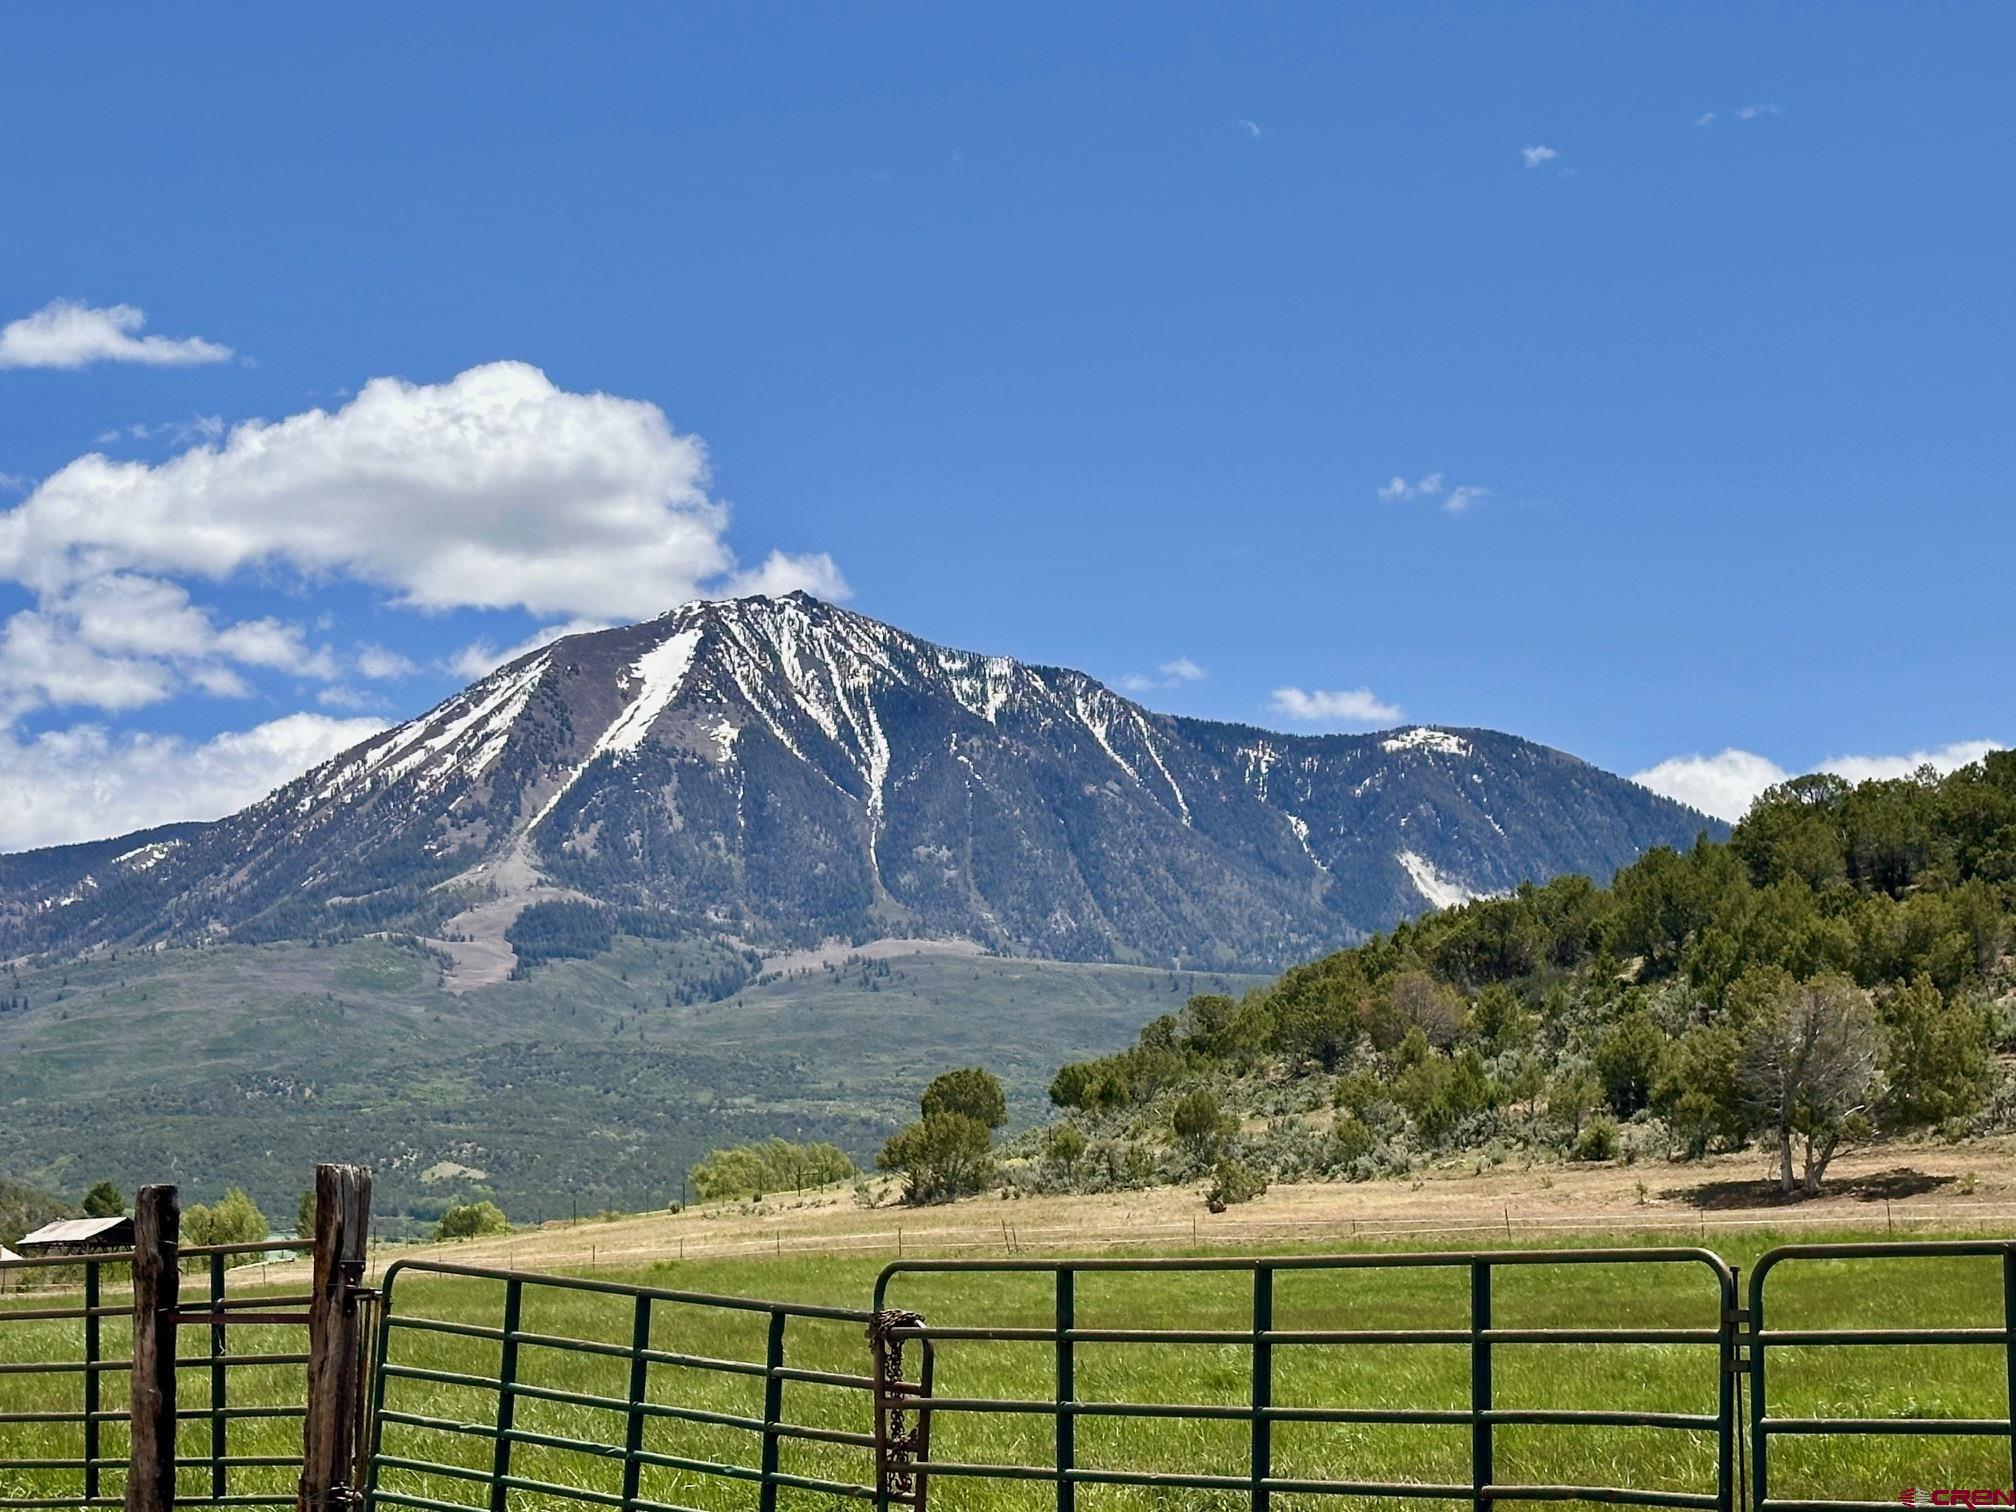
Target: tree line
x=1834 y=972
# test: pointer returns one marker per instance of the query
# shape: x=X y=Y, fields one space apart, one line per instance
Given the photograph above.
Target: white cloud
x=1723 y=785
x=496 y=489
x=1344 y=706
x=1946 y=758
x=276 y=644
x=82 y=783
x=782 y=573
x=1462 y=497
x=1252 y=128
x=1536 y=155
x=1707 y=118
x=1171 y=674
x=480 y=658
x=1431 y=486
x=68 y=334
x=43 y=662
x=381 y=665
x=1726 y=785
x=1752 y=112
x=343 y=696
x=125 y=639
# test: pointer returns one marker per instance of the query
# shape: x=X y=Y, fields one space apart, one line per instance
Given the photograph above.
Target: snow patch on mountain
x=1439 y=888
x=1421 y=738
x=656 y=677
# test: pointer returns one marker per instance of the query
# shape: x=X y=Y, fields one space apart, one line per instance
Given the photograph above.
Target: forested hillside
x=1835 y=972
x=23 y=1210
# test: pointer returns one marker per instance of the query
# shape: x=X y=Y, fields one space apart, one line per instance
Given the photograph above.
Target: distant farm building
x=79 y=1236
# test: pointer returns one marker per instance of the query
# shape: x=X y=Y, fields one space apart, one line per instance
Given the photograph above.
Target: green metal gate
x=1476 y=1334
x=602 y=1394
x=1894 y=1280
x=505 y=1391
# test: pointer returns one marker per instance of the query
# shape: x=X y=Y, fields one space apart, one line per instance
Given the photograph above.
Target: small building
x=9 y=1279
x=79 y=1236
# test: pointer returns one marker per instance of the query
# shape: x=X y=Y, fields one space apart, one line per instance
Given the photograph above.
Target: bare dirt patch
x=1907 y=1189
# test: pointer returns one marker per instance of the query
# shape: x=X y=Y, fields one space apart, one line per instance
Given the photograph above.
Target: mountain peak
x=780 y=770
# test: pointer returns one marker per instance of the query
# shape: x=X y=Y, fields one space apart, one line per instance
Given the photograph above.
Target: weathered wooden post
x=157 y=1281
x=336 y=1384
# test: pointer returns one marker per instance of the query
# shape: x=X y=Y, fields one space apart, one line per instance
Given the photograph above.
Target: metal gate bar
x=89 y=1416
x=1261 y=1483
x=1764 y=1427
x=635 y=1407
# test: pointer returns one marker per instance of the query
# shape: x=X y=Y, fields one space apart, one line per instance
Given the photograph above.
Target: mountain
x=780 y=772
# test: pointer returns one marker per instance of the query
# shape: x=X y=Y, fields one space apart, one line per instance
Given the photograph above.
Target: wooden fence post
x=157 y=1243
x=332 y=1431
x=335 y=1337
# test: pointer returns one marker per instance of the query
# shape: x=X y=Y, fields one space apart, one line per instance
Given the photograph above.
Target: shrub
x=472 y=1220
x=769 y=1165
x=1233 y=1181
x=1599 y=1139
x=234 y=1220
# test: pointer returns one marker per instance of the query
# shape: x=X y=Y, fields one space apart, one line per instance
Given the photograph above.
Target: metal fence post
x=157 y=1234
x=1760 y=1478
x=1730 y=1351
x=640 y=1377
x=92 y=1353
x=773 y=1411
x=1263 y=1385
x=218 y=1389
x=507 y=1398
x=1482 y=1472
x=1067 y=1390
x=336 y=1382
x=2009 y=1348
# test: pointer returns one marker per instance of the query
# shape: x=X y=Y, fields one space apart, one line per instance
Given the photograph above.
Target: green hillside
x=1836 y=973
x=23 y=1210
x=590 y=1082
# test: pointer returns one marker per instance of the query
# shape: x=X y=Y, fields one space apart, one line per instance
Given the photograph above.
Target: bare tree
x=1807 y=1069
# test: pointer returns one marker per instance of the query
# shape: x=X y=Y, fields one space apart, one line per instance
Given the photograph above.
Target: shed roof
x=81 y=1231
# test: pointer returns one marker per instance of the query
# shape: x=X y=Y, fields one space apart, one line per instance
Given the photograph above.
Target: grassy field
x=1960 y=1381
x=589 y=1083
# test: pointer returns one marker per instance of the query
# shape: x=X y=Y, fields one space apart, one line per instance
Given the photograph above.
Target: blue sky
x=1092 y=335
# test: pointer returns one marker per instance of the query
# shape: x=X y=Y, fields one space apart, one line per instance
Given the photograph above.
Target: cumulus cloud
x=1726 y=785
x=496 y=489
x=125 y=639
x=382 y=665
x=1358 y=706
x=68 y=334
x=81 y=783
x=1535 y=155
x=1723 y=785
x=781 y=573
x=1432 y=488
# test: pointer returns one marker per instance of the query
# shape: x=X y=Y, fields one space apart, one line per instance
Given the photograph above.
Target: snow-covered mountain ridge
x=783 y=771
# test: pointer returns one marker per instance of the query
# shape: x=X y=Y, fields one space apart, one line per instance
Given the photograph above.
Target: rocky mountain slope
x=782 y=771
